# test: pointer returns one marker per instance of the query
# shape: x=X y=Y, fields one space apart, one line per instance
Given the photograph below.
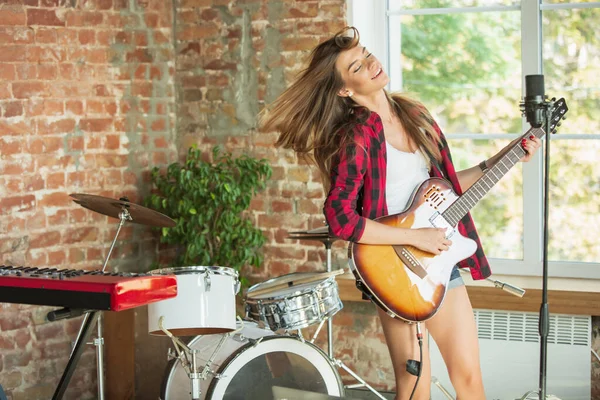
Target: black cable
x=419 y=365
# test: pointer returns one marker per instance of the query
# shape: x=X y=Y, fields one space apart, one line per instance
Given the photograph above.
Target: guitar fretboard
x=464 y=203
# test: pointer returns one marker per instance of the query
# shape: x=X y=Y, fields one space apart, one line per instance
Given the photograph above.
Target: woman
x=373 y=149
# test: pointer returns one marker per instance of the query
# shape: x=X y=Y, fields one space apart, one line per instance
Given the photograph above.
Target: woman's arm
x=429 y=239
x=469 y=176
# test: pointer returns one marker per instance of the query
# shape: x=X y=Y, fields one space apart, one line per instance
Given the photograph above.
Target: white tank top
x=404 y=172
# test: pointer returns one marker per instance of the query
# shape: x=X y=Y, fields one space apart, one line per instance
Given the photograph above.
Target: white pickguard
x=440 y=267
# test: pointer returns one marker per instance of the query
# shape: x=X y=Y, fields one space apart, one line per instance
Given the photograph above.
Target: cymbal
x=112 y=208
x=319 y=234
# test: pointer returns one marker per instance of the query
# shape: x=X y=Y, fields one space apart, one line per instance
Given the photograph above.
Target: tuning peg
x=553 y=131
x=559 y=124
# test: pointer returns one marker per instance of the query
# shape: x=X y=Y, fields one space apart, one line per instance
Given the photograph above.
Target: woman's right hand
x=432 y=240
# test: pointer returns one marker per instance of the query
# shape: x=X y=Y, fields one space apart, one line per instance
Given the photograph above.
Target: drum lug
x=254 y=342
x=275 y=315
x=207 y=281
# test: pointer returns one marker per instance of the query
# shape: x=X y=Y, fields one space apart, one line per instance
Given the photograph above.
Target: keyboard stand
x=85 y=331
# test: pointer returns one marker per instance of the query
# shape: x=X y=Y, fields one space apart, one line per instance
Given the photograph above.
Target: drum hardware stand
x=340 y=364
x=319 y=330
x=85 y=331
x=362 y=383
x=328 y=244
x=184 y=353
x=437 y=383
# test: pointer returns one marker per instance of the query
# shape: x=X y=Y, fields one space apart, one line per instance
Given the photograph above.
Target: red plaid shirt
x=358 y=189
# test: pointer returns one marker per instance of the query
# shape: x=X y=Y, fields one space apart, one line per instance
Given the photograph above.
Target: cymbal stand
x=188 y=358
x=85 y=331
x=328 y=244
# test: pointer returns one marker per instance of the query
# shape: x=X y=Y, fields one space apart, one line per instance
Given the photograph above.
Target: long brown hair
x=316 y=122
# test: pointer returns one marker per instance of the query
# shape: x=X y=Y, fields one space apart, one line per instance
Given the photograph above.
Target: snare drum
x=205 y=302
x=250 y=363
x=282 y=304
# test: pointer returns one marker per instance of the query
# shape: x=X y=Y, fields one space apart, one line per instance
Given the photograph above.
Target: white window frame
x=372 y=19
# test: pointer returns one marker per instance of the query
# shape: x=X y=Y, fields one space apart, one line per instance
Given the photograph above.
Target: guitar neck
x=482 y=186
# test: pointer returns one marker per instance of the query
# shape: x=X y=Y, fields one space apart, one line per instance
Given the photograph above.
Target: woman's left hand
x=530 y=145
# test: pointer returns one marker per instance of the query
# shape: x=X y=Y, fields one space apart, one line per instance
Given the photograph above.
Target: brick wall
x=87 y=105
x=93 y=94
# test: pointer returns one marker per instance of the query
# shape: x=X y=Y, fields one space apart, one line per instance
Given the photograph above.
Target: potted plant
x=208 y=200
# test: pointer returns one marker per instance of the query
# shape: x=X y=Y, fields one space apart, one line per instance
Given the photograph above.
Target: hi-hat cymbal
x=112 y=208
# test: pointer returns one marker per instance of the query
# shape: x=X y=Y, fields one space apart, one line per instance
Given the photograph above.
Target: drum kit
x=228 y=357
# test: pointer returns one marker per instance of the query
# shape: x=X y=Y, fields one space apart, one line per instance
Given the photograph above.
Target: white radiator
x=510 y=356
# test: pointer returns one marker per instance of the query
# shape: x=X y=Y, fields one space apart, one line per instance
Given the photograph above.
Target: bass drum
x=250 y=363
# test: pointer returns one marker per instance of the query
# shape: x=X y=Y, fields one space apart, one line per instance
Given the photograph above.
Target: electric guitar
x=409 y=283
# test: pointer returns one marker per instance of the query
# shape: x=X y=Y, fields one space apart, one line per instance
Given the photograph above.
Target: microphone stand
x=544 y=321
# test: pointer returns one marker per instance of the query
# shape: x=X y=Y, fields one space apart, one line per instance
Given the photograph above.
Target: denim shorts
x=455 y=279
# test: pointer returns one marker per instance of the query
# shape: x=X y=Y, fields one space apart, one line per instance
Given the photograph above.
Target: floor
x=365 y=394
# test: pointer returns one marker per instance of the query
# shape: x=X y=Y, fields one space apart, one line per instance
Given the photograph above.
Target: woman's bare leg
x=401 y=339
x=454 y=330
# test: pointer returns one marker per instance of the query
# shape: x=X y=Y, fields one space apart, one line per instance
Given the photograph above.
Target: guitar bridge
x=410 y=261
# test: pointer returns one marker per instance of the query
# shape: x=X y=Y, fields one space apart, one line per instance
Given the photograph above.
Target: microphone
x=534 y=98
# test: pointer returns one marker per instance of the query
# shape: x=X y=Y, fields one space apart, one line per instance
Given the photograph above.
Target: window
x=466 y=61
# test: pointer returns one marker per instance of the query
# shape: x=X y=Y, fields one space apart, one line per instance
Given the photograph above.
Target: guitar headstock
x=558 y=114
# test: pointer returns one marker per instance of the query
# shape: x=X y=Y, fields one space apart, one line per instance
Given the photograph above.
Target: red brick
x=53 y=107
x=26 y=71
x=74 y=107
x=13 y=53
x=25 y=90
x=59 y=126
x=54 y=200
x=104 y=4
x=76 y=143
x=36 y=16
x=37 y=221
x=55 y=180
x=16 y=35
x=96 y=124
x=22 y=337
x=12 y=16
x=56 y=257
x=36 y=259
x=33 y=182
x=113 y=142
x=13 y=321
x=6 y=342
x=76 y=256
x=9 y=146
x=17 y=204
x=60 y=217
x=44 y=239
x=299 y=43
x=67 y=71
x=141 y=38
x=46 y=35
x=7 y=72
x=47 y=72
x=48 y=331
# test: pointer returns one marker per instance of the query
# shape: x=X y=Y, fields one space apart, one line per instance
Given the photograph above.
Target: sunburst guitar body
x=409 y=283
